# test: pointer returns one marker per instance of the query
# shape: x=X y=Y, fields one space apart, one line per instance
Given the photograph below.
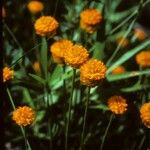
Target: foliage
x=48 y=91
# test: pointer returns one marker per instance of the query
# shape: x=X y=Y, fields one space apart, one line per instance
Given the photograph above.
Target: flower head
x=145 y=114
x=89 y=19
x=123 y=42
x=76 y=56
x=143 y=58
x=46 y=26
x=92 y=72
x=117 y=104
x=23 y=116
x=118 y=70
x=36 y=66
x=59 y=48
x=140 y=34
x=35 y=6
x=7 y=74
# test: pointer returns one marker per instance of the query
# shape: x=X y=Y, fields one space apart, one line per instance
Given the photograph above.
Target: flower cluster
x=92 y=72
x=35 y=6
x=59 y=48
x=7 y=74
x=143 y=58
x=46 y=26
x=89 y=19
x=76 y=56
x=145 y=114
x=117 y=104
x=23 y=116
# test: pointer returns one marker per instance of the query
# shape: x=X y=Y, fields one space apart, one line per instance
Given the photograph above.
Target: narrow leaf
x=127 y=75
x=128 y=55
x=41 y=80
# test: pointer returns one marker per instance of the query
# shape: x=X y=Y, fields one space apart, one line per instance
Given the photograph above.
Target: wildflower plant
x=77 y=77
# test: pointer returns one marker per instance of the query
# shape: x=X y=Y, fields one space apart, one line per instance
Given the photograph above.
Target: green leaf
x=27 y=97
x=128 y=55
x=135 y=88
x=98 y=52
x=127 y=75
x=115 y=17
x=41 y=80
x=55 y=78
x=56 y=73
x=100 y=106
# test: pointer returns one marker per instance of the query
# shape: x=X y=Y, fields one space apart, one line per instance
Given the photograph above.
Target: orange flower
x=59 y=48
x=145 y=114
x=92 y=72
x=35 y=6
x=118 y=70
x=46 y=26
x=140 y=34
x=117 y=104
x=143 y=58
x=36 y=66
x=76 y=56
x=89 y=19
x=7 y=74
x=23 y=116
x=123 y=42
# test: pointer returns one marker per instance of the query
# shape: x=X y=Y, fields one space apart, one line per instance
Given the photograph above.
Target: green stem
x=56 y=7
x=33 y=18
x=28 y=147
x=122 y=23
x=49 y=120
x=119 y=46
x=141 y=143
x=85 y=118
x=140 y=76
x=126 y=33
x=106 y=131
x=11 y=100
x=25 y=54
x=69 y=110
x=12 y=35
x=64 y=81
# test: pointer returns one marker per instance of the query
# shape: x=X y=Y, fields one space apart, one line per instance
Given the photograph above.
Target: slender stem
x=33 y=48
x=64 y=81
x=119 y=46
x=56 y=7
x=146 y=2
x=141 y=143
x=106 y=131
x=123 y=22
x=147 y=133
x=85 y=118
x=69 y=110
x=11 y=100
x=126 y=33
x=49 y=120
x=140 y=76
x=12 y=35
x=33 y=18
x=28 y=147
